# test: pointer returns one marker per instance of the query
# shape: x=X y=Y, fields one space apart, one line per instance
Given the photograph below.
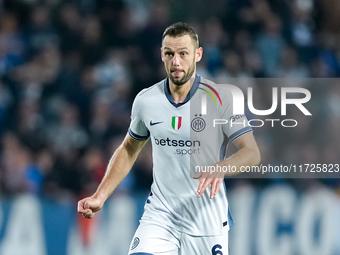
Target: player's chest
x=168 y=121
x=182 y=122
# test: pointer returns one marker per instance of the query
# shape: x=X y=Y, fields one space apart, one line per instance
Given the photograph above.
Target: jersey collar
x=192 y=91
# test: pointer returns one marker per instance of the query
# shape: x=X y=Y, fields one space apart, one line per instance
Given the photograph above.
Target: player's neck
x=179 y=93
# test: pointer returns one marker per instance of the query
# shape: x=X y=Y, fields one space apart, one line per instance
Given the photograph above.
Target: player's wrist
x=99 y=196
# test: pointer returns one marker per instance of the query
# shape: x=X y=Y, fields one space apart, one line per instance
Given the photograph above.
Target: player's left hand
x=208 y=178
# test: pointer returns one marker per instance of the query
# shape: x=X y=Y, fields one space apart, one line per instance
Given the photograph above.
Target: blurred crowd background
x=69 y=71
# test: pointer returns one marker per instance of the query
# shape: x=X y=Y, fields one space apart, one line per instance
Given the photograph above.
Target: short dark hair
x=179 y=29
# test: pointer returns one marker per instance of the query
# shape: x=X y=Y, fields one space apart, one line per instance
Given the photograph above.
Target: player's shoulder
x=223 y=90
x=157 y=88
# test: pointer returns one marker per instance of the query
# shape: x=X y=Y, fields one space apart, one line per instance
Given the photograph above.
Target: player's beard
x=187 y=75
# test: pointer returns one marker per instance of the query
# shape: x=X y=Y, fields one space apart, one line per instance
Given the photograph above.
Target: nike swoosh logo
x=155 y=123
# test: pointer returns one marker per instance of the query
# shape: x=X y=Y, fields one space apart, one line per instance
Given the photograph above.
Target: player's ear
x=199 y=54
x=162 y=54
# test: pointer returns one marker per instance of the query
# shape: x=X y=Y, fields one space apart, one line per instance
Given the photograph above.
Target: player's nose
x=175 y=60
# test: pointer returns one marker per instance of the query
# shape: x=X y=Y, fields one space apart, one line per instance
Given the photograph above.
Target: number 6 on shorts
x=214 y=250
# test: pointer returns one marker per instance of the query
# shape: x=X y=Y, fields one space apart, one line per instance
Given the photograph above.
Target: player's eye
x=183 y=53
x=168 y=53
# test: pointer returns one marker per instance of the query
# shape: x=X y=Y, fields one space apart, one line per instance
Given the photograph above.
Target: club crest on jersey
x=176 y=122
x=198 y=123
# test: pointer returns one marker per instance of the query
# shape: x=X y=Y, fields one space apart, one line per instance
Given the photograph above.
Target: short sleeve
x=137 y=129
x=237 y=123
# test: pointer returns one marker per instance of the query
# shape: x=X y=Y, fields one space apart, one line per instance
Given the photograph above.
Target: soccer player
x=181 y=216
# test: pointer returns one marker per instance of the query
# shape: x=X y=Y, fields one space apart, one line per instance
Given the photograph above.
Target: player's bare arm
x=247 y=155
x=119 y=166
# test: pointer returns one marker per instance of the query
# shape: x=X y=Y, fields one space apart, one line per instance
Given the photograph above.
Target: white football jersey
x=185 y=139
